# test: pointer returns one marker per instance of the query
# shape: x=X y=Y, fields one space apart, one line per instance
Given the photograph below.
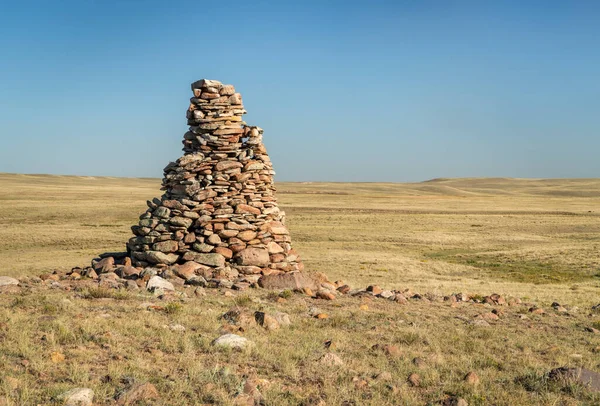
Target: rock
x=157 y=257
x=240 y=318
x=232 y=341
x=137 y=393
x=166 y=246
x=156 y=282
x=414 y=380
x=592 y=330
x=197 y=281
x=386 y=294
x=388 y=349
x=176 y=327
x=344 y=289
x=400 y=298
x=582 y=376
x=226 y=252
x=78 y=397
x=480 y=323
x=384 y=376
x=8 y=281
x=267 y=321
x=330 y=359
x=187 y=270
x=105 y=265
x=291 y=280
x=374 y=289
x=213 y=259
x=282 y=318
x=536 y=310
x=472 y=378
x=325 y=294
x=253 y=257
x=274 y=248
x=489 y=316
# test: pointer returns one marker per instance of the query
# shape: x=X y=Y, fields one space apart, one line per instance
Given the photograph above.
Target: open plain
x=535 y=240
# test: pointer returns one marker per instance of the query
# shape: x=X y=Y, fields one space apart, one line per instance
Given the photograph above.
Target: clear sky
x=345 y=90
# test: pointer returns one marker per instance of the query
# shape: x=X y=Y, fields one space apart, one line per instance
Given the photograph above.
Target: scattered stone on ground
x=141 y=392
x=78 y=397
x=582 y=376
x=414 y=379
x=472 y=378
x=8 y=281
x=232 y=341
x=331 y=359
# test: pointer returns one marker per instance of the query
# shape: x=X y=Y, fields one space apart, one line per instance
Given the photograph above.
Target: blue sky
x=345 y=90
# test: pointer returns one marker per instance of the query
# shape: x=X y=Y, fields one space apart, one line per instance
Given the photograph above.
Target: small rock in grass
x=536 y=310
x=331 y=359
x=592 y=330
x=386 y=294
x=471 y=378
x=177 y=327
x=344 y=289
x=138 y=393
x=583 y=376
x=78 y=397
x=282 y=318
x=374 y=289
x=232 y=341
x=480 y=323
x=384 y=376
x=388 y=349
x=267 y=321
x=325 y=294
x=414 y=380
x=7 y=281
x=400 y=298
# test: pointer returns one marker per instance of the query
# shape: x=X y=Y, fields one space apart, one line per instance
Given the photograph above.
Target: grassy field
x=538 y=240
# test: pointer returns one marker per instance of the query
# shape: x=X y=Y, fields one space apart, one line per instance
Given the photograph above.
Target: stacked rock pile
x=219 y=209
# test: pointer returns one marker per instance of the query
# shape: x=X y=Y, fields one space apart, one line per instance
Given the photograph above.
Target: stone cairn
x=219 y=210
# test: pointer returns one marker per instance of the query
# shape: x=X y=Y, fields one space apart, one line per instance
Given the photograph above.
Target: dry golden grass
x=534 y=239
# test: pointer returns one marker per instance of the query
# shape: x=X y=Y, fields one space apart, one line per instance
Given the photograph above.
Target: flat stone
x=181 y=222
x=212 y=259
x=157 y=257
x=274 y=248
x=253 y=257
x=140 y=392
x=156 y=282
x=232 y=341
x=583 y=376
x=244 y=208
x=187 y=270
x=331 y=359
x=7 y=280
x=78 y=397
x=166 y=246
x=105 y=265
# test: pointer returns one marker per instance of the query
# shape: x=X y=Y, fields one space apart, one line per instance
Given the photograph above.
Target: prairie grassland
x=534 y=239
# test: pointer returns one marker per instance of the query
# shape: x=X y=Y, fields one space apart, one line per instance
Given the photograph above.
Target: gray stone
x=583 y=376
x=213 y=259
x=156 y=282
x=157 y=257
x=7 y=280
x=78 y=397
x=232 y=341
